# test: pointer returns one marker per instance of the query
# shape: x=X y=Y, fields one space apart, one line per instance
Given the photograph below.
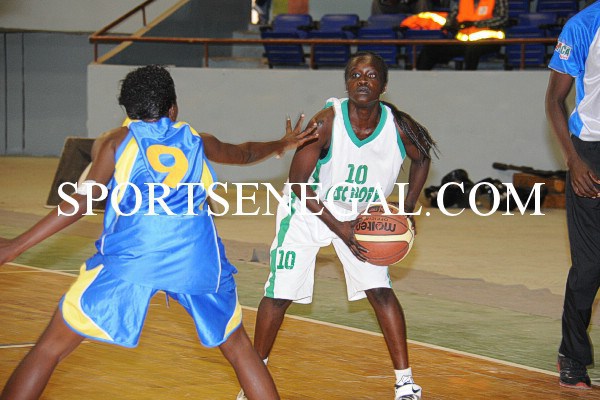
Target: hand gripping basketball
x=388 y=238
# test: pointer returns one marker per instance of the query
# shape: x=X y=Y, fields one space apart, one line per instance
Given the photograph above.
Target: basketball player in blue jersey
x=361 y=145
x=177 y=250
x=576 y=60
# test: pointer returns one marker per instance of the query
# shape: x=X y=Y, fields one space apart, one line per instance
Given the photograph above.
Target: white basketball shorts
x=299 y=238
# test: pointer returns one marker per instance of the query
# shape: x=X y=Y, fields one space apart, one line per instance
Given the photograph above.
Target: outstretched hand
x=584 y=180
x=296 y=137
x=7 y=251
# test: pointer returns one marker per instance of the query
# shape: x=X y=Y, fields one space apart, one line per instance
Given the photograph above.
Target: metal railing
x=141 y=8
x=101 y=37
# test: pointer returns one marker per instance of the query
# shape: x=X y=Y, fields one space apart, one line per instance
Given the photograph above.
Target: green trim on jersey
x=284 y=226
x=321 y=162
x=372 y=136
x=324 y=160
x=401 y=145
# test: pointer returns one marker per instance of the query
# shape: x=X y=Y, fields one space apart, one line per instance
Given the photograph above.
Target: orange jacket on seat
x=468 y=12
x=427 y=20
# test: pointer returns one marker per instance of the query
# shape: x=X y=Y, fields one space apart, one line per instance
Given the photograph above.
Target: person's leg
x=583 y=222
x=268 y=321
x=251 y=372
x=432 y=55
x=31 y=376
x=391 y=320
x=473 y=54
x=292 y=267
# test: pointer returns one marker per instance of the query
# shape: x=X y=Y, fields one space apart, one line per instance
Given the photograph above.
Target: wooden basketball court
x=312 y=360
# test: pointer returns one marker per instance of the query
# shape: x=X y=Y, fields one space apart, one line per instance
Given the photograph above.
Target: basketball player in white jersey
x=361 y=146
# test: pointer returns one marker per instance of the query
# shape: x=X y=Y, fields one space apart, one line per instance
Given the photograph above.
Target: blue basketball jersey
x=577 y=53
x=157 y=231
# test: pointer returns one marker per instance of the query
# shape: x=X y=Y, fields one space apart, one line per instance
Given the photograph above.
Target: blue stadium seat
x=299 y=24
x=283 y=54
x=562 y=8
x=550 y=23
x=535 y=54
x=329 y=54
x=286 y=26
x=518 y=7
x=348 y=24
x=388 y=52
x=541 y=20
x=441 y=5
x=554 y=30
x=420 y=34
x=385 y=21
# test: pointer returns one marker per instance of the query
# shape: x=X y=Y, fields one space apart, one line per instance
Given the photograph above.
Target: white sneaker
x=241 y=395
x=407 y=389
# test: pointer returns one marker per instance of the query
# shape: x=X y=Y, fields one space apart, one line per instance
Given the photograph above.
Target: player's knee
x=280 y=304
x=381 y=296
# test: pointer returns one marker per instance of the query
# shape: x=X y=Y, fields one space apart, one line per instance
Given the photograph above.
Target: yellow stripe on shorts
x=71 y=307
x=235 y=320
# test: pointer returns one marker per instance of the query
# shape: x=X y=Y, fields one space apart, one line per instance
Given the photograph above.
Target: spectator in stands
x=468 y=21
x=262 y=8
x=399 y=6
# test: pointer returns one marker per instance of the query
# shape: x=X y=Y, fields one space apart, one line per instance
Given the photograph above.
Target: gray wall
x=91 y=15
x=43 y=91
x=43 y=75
x=500 y=117
x=71 y=15
x=193 y=19
x=317 y=8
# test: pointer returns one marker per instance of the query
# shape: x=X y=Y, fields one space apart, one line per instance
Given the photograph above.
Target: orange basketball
x=388 y=238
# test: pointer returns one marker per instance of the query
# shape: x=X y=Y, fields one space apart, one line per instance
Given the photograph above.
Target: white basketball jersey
x=356 y=170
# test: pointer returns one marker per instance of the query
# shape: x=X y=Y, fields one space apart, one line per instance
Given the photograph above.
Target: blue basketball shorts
x=103 y=307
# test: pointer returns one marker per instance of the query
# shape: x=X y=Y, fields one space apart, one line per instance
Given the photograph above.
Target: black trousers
x=432 y=55
x=583 y=281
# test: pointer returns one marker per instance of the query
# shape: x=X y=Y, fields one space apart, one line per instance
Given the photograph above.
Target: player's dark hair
x=148 y=93
x=375 y=58
x=417 y=133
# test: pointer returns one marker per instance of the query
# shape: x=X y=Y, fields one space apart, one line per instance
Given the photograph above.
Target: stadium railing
x=102 y=36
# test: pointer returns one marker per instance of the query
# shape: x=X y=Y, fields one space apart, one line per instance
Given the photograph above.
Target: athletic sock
x=400 y=373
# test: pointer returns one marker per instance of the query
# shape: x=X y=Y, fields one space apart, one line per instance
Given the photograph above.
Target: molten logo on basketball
x=379 y=226
x=388 y=238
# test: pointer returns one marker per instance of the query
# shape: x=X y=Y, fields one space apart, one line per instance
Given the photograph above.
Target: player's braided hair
x=147 y=93
x=420 y=138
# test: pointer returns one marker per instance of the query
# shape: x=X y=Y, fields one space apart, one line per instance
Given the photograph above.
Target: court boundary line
x=38 y=269
x=348 y=328
x=428 y=345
